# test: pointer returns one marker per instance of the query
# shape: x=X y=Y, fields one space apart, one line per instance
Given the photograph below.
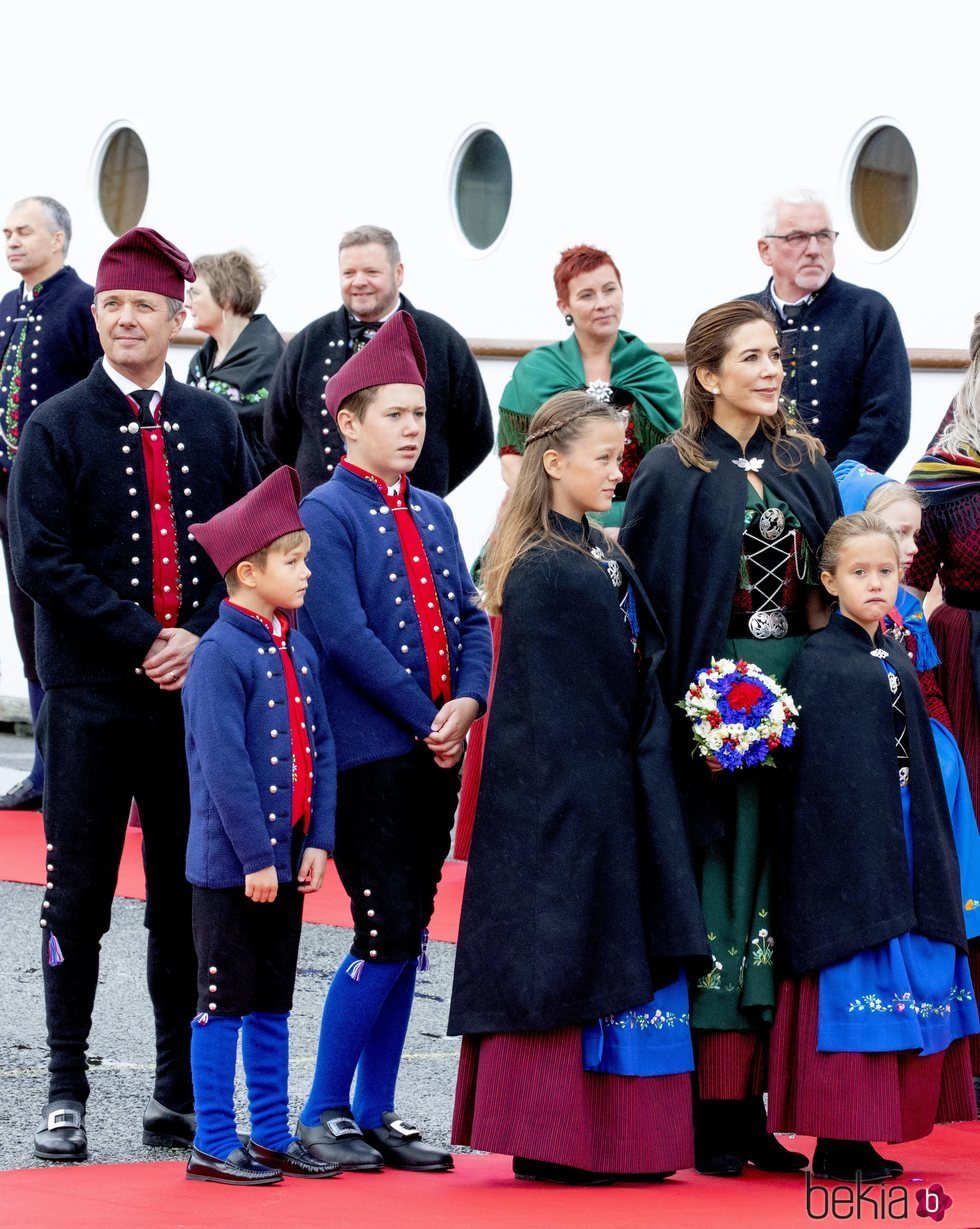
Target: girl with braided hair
x=580 y=916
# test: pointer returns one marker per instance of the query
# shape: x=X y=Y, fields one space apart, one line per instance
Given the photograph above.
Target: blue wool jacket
x=239 y=753
x=847 y=370
x=361 y=621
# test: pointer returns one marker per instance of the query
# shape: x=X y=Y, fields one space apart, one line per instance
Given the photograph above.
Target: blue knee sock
x=377 y=1071
x=35 y=694
x=214 y=1050
x=265 y=1057
x=349 y=1014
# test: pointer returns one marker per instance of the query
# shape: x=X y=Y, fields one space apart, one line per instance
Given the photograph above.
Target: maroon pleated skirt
x=730 y=1066
x=895 y=1096
x=473 y=762
x=526 y=1094
x=952 y=631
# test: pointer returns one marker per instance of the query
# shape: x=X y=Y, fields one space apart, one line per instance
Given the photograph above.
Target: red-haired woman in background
x=614 y=365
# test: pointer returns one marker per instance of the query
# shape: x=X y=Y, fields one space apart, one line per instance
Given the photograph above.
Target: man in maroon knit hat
x=112 y=474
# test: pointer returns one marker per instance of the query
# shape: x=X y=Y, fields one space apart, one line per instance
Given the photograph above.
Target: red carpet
x=22 y=861
x=481 y=1194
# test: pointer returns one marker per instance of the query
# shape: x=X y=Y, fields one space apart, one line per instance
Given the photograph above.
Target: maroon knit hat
x=394 y=355
x=142 y=259
x=267 y=512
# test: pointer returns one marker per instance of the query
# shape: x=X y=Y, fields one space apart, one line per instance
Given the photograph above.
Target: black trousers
x=21 y=606
x=102 y=747
x=394 y=823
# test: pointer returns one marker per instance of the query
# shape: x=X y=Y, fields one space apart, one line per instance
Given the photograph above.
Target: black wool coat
x=683 y=530
x=80 y=530
x=580 y=895
x=843 y=873
x=459 y=426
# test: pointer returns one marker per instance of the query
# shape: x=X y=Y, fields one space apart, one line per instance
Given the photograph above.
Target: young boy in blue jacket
x=405 y=656
x=263 y=790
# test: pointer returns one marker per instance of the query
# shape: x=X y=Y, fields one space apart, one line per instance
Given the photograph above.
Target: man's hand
x=262 y=886
x=312 y=869
x=450 y=726
x=169 y=656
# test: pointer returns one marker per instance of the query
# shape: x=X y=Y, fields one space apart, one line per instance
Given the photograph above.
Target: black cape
x=683 y=530
x=580 y=895
x=842 y=870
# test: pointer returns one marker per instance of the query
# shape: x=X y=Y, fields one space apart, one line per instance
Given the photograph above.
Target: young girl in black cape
x=724 y=522
x=580 y=908
x=869 y=1034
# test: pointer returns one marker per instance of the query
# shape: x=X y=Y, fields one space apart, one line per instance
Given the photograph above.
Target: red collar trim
x=266 y=623
x=378 y=482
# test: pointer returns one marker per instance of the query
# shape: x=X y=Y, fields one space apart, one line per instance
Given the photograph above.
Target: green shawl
x=636 y=369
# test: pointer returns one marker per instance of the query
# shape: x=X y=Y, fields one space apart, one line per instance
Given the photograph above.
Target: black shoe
x=238 y=1170
x=163 y=1128
x=338 y=1139
x=400 y=1145
x=61 y=1135
x=296 y=1162
x=566 y=1175
x=847 y=1160
x=763 y=1149
x=24 y=796
x=719 y=1138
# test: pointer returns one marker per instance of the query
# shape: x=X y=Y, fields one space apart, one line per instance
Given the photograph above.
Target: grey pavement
x=121 y=1044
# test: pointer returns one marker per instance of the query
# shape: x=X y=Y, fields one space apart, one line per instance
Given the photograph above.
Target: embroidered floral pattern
x=762 y=948
x=643 y=1020
x=901 y=1003
x=712 y=979
x=231 y=393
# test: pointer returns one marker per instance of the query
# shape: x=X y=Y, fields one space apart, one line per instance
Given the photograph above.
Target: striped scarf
x=949 y=483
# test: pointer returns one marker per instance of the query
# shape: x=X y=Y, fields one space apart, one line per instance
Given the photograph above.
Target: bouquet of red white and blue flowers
x=740 y=715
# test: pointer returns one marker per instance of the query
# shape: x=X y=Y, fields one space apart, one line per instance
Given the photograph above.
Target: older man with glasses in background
x=846 y=367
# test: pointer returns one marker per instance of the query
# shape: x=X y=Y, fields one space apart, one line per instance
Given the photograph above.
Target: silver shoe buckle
x=63 y=1118
x=405 y=1129
x=341 y=1128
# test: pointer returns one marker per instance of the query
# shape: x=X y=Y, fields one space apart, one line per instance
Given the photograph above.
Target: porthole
x=884 y=187
x=482 y=188
x=123 y=180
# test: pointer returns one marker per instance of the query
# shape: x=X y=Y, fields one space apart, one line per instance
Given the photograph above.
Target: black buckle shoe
x=239 y=1169
x=163 y=1128
x=401 y=1146
x=61 y=1135
x=24 y=796
x=296 y=1162
x=338 y=1140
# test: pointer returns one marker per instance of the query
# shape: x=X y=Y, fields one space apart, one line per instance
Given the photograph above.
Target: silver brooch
x=601 y=390
x=893 y=683
x=751 y=466
x=772 y=523
x=766 y=623
x=882 y=653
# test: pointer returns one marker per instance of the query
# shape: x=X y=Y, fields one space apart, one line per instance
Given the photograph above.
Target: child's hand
x=262 y=886
x=449 y=756
x=714 y=764
x=311 y=870
x=451 y=724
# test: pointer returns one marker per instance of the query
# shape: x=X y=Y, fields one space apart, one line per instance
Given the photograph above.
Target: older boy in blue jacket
x=405 y=656
x=262 y=779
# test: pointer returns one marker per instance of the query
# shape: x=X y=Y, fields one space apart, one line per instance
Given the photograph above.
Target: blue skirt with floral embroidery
x=911 y=993
x=654 y=1039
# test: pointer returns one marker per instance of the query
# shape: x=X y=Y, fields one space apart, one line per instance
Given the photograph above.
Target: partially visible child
x=900 y=507
x=405 y=655
x=869 y=1039
x=262 y=777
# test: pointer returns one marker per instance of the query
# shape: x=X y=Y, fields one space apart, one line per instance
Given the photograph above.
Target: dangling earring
x=568 y=320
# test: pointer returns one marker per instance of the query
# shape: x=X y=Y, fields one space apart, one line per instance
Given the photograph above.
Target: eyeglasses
x=798 y=239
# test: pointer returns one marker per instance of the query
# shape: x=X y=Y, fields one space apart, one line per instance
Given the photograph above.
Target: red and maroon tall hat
x=267 y=512
x=142 y=259
x=394 y=355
